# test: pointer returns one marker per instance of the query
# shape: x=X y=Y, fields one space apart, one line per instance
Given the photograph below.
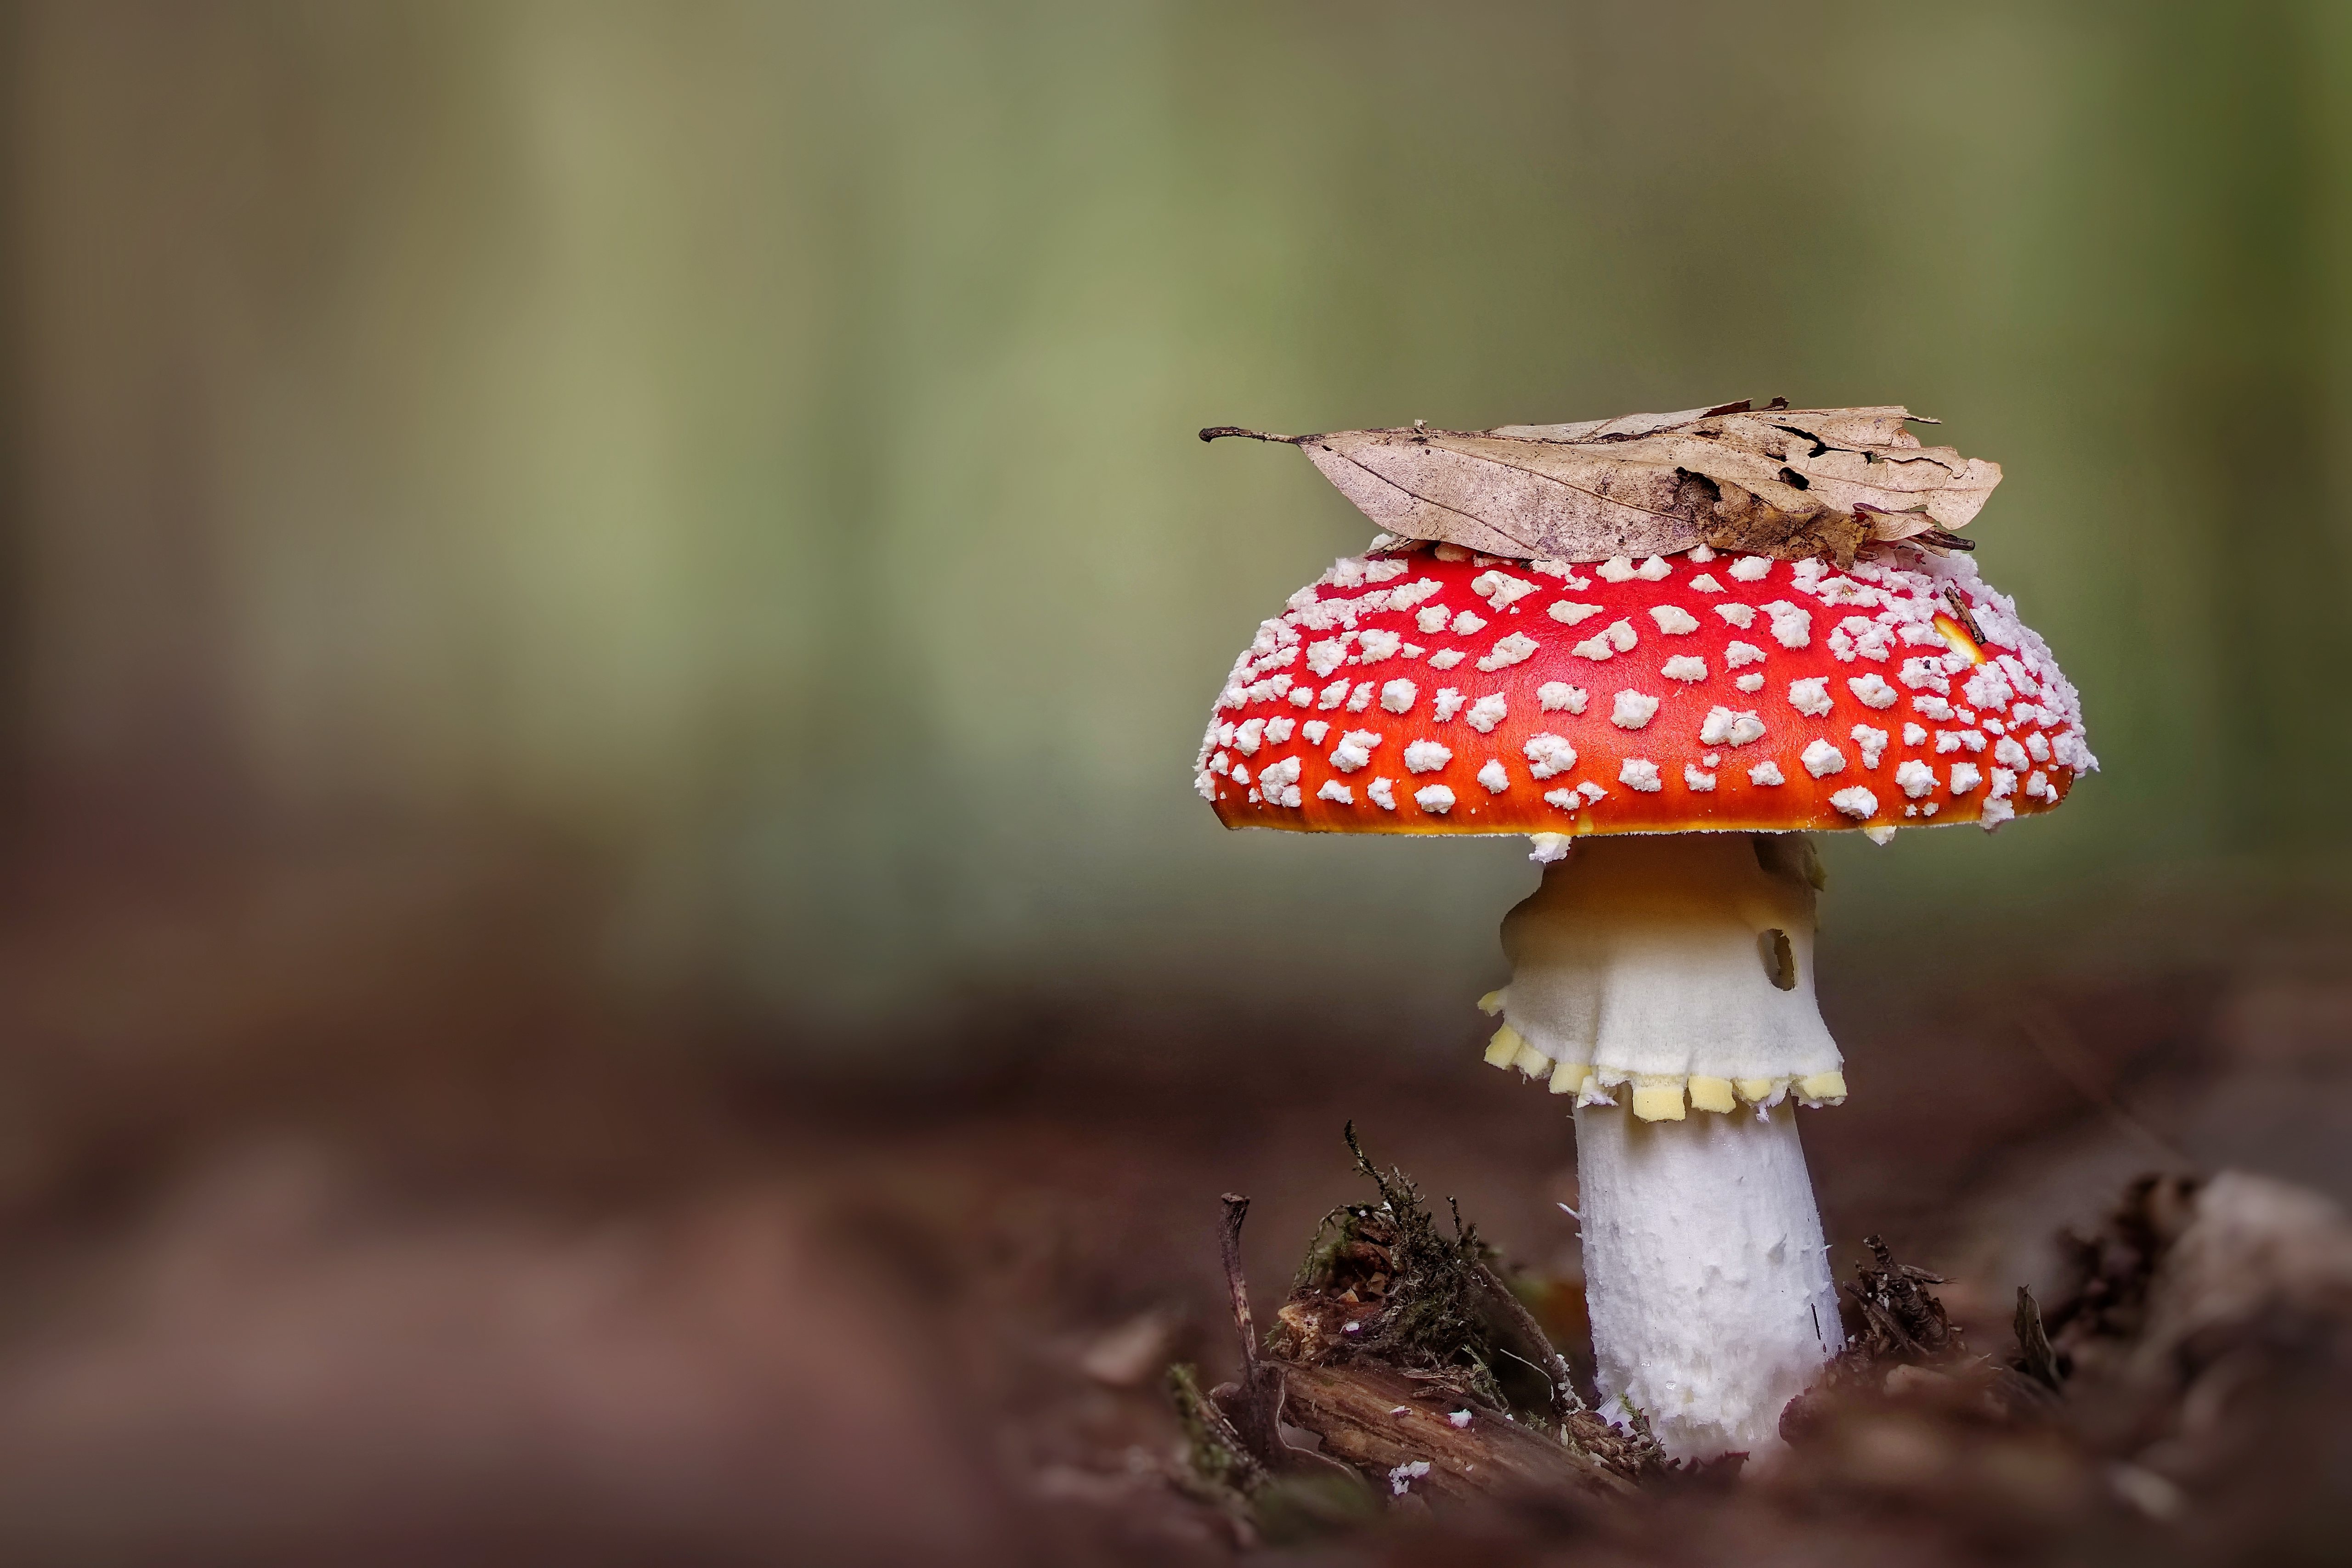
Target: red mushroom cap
x=1439 y=691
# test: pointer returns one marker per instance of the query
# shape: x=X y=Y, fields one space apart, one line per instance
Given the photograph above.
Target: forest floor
x=331 y=1237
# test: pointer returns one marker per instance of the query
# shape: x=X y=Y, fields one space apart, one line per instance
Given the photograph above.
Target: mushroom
x=1683 y=723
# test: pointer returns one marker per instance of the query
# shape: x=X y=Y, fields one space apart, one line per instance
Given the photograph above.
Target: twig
x=1229 y=1246
x=1953 y=597
x=1256 y=1408
x=1566 y=1402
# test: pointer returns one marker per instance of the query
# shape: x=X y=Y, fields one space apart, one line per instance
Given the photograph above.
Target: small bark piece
x=2035 y=1358
x=1378 y=1418
x=1788 y=482
x=1900 y=1316
x=1902 y=1325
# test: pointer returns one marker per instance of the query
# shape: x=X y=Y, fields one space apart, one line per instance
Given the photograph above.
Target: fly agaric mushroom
x=1689 y=720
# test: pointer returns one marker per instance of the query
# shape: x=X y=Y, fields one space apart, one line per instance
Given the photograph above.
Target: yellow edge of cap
x=1570 y=1076
x=1711 y=1093
x=1658 y=1103
x=1822 y=1086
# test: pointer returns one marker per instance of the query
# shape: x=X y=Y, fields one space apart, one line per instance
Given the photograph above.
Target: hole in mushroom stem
x=1779 y=958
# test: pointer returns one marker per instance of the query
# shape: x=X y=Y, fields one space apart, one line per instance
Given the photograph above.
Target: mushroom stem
x=1666 y=981
x=1705 y=1274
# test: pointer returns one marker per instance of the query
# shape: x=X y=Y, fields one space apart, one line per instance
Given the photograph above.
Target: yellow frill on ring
x=1660 y=1097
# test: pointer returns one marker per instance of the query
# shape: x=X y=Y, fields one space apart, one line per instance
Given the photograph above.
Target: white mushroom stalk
x=1665 y=980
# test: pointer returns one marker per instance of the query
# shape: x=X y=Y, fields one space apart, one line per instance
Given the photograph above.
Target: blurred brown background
x=607 y=606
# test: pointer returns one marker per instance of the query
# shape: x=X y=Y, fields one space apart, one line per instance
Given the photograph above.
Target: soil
x=364 y=1229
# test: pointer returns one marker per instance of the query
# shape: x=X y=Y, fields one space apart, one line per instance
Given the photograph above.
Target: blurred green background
x=748 y=449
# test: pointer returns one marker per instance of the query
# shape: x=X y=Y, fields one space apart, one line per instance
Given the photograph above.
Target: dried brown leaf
x=1790 y=483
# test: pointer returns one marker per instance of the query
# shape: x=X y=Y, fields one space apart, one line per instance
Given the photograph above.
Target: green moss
x=1384 y=1282
x=1214 y=1456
